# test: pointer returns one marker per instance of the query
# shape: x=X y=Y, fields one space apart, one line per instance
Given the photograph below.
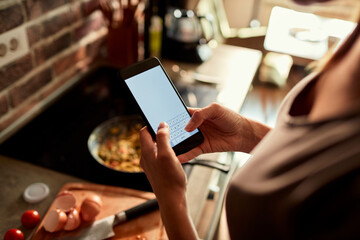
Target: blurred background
x=58 y=78
x=45 y=46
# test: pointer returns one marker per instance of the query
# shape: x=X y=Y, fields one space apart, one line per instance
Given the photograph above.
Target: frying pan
x=123 y=124
x=105 y=130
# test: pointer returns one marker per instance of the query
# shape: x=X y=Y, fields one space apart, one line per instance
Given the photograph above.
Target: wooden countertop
x=15 y=176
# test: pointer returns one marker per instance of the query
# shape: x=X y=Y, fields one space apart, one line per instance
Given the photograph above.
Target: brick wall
x=65 y=37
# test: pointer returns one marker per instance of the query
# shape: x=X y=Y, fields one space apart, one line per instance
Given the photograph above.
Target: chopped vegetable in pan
x=121 y=150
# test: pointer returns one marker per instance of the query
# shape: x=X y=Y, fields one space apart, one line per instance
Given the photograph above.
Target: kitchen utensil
x=103 y=228
x=116 y=130
x=122 y=17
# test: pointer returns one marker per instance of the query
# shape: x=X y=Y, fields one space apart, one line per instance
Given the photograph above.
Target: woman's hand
x=160 y=163
x=223 y=130
x=168 y=180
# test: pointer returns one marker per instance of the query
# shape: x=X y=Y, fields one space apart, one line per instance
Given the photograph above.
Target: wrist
x=252 y=133
x=176 y=219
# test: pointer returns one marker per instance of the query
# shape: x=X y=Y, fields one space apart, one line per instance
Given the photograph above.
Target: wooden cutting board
x=115 y=199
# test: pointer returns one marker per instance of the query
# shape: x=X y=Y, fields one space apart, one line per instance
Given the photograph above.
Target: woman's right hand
x=223 y=130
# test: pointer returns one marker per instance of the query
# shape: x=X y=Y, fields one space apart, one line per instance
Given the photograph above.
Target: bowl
x=115 y=143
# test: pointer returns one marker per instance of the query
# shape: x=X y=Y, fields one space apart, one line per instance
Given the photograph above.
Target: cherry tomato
x=30 y=218
x=14 y=234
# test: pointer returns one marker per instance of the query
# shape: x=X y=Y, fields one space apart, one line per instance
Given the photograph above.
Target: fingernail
x=163 y=125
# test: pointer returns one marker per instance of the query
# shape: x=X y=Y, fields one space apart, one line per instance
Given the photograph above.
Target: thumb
x=163 y=139
x=146 y=142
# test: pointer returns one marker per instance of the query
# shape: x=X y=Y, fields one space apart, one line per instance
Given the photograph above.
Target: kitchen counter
x=15 y=176
x=225 y=78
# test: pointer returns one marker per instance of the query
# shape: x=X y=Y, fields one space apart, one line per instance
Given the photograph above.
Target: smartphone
x=159 y=101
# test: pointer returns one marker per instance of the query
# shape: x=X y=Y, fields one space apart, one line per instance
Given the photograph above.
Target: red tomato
x=30 y=218
x=14 y=234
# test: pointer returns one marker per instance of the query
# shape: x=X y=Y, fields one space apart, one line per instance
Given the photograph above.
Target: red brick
x=89 y=7
x=34 y=34
x=58 y=84
x=69 y=60
x=47 y=50
x=4 y=105
x=75 y=14
x=17 y=113
x=90 y=25
x=55 y=24
x=51 y=26
x=11 y=17
x=15 y=70
x=35 y=8
x=20 y=93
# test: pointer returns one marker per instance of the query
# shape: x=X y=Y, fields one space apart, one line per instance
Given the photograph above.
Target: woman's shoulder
x=294 y=95
x=298 y=190
x=294 y=171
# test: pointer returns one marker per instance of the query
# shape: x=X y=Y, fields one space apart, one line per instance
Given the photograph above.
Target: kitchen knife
x=103 y=228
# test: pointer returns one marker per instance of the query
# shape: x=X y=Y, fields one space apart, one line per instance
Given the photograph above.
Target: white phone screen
x=159 y=102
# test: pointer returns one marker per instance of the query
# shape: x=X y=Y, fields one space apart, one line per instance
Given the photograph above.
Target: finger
x=183 y=158
x=163 y=135
x=192 y=110
x=146 y=142
x=196 y=120
x=163 y=140
x=200 y=115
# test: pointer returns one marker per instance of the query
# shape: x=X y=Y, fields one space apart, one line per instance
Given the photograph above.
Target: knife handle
x=143 y=208
x=136 y=211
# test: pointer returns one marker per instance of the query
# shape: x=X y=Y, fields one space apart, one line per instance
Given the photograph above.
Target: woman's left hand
x=160 y=164
x=168 y=180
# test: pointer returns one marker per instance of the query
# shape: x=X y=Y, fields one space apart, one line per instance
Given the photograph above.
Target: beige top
x=303 y=181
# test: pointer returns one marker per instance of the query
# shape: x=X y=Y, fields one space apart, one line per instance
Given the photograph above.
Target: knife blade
x=103 y=228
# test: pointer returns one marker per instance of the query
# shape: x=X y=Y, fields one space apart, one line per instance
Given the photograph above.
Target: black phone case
x=147 y=64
